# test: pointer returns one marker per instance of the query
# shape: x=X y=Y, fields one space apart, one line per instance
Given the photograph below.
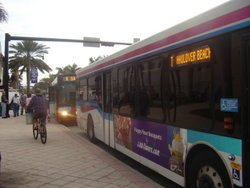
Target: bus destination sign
x=198 y=55
x=69 y=78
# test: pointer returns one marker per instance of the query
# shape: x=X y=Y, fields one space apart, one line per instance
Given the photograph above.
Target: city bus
x=62 y=99
x=178 y=102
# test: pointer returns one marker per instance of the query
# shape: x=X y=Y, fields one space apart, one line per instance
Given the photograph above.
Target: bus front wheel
x=90 y=129
x=208 y=171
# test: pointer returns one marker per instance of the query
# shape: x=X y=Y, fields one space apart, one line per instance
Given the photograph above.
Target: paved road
x=66 y=160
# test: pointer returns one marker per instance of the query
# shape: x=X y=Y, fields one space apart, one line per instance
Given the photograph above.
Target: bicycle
x=39 y=128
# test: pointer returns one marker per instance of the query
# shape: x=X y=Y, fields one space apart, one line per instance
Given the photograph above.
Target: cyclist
x=38 y=105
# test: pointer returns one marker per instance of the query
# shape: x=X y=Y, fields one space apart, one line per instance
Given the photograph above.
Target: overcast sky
x=110 y=20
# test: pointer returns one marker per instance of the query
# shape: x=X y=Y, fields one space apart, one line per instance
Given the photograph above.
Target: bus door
x=107 y=115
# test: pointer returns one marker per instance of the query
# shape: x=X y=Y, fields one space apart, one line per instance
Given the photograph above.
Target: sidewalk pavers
x=66 y=160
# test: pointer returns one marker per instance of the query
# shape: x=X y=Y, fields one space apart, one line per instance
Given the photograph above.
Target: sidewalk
x=66 y=160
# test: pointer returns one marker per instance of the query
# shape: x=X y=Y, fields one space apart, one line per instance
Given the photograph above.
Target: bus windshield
x=66 y=93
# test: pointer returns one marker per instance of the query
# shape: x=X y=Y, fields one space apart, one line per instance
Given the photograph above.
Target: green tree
x=45 y=83
x=3 y=14
x=26 y=55
x=69 y=69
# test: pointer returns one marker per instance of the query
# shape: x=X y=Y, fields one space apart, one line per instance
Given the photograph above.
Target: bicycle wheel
x=35 y=130
x=43 y=134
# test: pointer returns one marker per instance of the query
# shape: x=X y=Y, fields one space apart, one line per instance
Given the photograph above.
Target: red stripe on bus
x=85 y=108
x=221 y=21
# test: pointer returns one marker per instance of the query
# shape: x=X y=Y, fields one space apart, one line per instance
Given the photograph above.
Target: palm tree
x=3 y=14
x=27 y=55
x=45 y=83
x=69 y=69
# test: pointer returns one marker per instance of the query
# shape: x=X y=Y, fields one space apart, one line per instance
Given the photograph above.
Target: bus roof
x=227 y=17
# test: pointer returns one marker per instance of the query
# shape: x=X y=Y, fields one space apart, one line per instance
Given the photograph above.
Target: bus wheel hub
x=208 y=177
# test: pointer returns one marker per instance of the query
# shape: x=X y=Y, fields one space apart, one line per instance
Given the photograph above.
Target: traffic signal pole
x=6 y=66
x=9 y=38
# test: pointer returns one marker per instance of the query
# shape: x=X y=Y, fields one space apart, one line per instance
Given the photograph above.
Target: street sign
x=91 y=42
x=33 y=75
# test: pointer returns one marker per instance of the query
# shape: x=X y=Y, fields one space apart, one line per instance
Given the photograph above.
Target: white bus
x=178 y=102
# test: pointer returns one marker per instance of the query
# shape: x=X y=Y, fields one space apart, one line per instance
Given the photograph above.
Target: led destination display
x=202 y=54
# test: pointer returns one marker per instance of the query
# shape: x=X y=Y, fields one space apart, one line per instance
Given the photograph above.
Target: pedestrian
x=23 y=103
x=4 y=103
x=28 y=99
x=16 y=104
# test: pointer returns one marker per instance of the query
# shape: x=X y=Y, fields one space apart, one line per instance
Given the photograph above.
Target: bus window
x=66 y=93
x=150 y=90
x=126 y=90
x=196 y=92
x=82 y=90
x=107 y=92
x=190 y=93
x=95 y=89
x=115 y=91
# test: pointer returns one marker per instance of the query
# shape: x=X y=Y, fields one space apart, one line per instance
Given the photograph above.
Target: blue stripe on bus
x=222 y=143
x=107 y=116
x=64 y=108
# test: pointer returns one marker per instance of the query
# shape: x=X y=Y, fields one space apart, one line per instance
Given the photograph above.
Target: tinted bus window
x=150 y=104
x=198 y=91
x=115 y=91
x=94 y=89
x=126 y=90
x=67 y=93
x=82 y=90
x=190 y=95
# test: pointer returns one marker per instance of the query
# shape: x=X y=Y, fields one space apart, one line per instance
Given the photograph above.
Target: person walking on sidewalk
x=16 y=103
x=23 y=103
x=28 y=99
x=4 y=103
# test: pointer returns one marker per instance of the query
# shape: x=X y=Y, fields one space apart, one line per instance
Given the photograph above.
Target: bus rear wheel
x=90 y=129
x=208 y=171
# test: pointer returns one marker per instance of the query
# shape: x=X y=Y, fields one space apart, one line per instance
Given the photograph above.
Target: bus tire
x=208 y=170
x=90 y=129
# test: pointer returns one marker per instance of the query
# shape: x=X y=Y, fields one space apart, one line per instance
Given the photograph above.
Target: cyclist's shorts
x=42 y=117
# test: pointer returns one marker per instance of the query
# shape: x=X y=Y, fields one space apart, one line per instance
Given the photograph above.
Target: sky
x=109 y=20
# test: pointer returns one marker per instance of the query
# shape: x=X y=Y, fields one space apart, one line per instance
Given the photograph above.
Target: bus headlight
x=64 y=113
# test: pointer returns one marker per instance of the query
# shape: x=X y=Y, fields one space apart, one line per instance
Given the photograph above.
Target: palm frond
x=3 y=14
x=27 y=54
